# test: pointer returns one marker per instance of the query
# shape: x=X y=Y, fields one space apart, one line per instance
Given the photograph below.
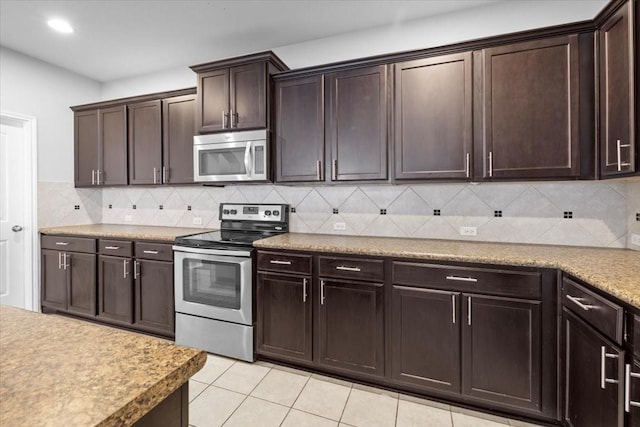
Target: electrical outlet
x=128 y=218
x=339 y=226
x=468 y=231
x=635 y=239
x=197 y=220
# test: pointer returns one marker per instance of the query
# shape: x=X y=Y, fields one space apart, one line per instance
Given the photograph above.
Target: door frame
x=31 y=266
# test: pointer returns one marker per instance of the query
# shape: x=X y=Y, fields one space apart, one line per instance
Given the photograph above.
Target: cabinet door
x=213 y=101
x=115 y=289
x=591 y=400
x=351 y=326
x=425 y=338
x=178 y=129
x=501 y=350
x=145 y=143
x=82 y=283
x=85 y=135
x=154 y=296
x=356 y=124
x=632 y=404
x=433 y=126
x=284 y=316
x=299 y=132
x=53 y=280
x=113 y=146
x=248 y=91
x=531 y=109
x=617 y=113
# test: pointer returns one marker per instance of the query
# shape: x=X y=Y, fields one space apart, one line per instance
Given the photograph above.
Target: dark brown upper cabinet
x=528 y=109
x=433 y=118
x=356 y=124
x=618 y=120
x=299 y=129
x=178 y=129
x=100 y=146
x=145 y=143
x=234 y=94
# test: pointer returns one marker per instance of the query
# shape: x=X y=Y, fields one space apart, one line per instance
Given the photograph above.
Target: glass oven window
x=227 y=161
x=212 y=283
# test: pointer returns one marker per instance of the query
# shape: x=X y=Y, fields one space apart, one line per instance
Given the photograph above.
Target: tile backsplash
x=570 y=213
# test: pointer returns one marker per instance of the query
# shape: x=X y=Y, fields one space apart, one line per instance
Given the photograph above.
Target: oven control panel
x=253 y=212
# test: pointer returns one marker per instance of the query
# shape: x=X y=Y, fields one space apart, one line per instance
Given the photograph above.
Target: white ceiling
x=116 y=39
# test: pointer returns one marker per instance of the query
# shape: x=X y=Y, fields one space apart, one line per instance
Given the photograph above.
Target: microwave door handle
x=247 y=158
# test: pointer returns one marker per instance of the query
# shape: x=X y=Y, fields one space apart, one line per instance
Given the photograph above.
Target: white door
x=12 y=213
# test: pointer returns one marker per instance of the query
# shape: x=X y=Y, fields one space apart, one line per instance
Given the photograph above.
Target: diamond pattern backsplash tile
x=603 y=214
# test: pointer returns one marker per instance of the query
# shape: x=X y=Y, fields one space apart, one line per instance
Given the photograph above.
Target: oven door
x=213 y=286
x=230 y=161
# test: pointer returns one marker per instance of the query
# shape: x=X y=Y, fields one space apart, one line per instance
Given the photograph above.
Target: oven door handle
x=247 y=158
x=208 y=252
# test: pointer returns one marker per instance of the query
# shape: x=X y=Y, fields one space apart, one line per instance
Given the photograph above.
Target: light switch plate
x=197 y=220
x=635 y=239
x=468 y=231
x=339 y=226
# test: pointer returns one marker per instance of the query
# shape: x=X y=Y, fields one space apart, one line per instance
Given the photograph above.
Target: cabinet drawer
x=284 y=262
x=522 y=284
x=69 y=244
x=115 y=247
x=596 y=310
x=352 y=268
x=154 y=251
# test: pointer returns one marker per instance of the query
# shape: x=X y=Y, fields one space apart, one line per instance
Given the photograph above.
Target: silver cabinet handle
x=112 y=248
x=321 y=292
x=224 y=120
x=277 y=261
x=16 y=228
x=234 y=124
x=62 y=243
x=462 y=279
x=64 y=261
x=59 y=260
x=334 y=170
x=619 y=147
x=93 y=177
x=603 y=376
x=155 y=175
x=151 y=252
x=345 y=268
x=304 y=290
x=490 y=163
x=136 y=269
x=247 y=158
x=578 y=302
x=231 y=116
x=453 y=308
x=467 y=165
x=98 y=177
x=164 y=174
x=319 y=169
x=628 y=374
x=469 y=311
x=125 y=263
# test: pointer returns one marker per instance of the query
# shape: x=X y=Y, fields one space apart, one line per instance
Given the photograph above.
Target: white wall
x=35 y=88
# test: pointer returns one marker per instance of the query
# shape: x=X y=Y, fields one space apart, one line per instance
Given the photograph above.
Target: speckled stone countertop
x=116 y=231
x=616 y=271
x=57 y=371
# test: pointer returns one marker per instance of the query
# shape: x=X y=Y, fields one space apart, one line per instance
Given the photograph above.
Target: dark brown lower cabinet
x=53 y=280
x=594 y=377
x=154 y=301
x=351 y=326
x=425 y=338
x=501 y=350
x=284 y=316
x=632 y=400
x=69 y=281
x=115 y=288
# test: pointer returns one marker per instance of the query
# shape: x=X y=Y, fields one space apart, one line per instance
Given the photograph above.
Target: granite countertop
x=616 y=271
x=58 y=371
x=117 y=231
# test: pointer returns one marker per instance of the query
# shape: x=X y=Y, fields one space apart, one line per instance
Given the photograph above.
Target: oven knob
x=267 y=213
x=276 y=213
x=226 y=211
x=233 y=211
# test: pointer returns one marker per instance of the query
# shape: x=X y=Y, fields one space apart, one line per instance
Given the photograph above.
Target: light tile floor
x=239 y=394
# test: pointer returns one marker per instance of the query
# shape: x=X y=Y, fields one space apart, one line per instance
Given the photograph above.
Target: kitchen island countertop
x=615 y=271
x=57 y=371
x=120 y=231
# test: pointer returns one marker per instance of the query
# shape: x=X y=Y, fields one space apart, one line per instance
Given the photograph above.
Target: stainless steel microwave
x=230 y=157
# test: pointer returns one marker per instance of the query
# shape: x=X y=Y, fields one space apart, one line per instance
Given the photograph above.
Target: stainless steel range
x=214 y=281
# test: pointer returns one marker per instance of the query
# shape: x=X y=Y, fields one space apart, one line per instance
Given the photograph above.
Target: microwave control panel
x=253 y=212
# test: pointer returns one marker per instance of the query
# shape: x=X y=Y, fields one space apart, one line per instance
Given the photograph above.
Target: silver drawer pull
x=345 y=268
x=578 y=301
x=112 y=248
x=628 y=403
x=603 y=375
x=151 y=252
x=62 y=243
x=277 y=261
x=462 y=279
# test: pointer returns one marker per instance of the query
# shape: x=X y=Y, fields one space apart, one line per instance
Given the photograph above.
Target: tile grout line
x=246 y=396
x=345 y=404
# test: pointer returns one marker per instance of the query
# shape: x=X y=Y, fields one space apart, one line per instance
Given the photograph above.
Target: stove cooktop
x=224 y=238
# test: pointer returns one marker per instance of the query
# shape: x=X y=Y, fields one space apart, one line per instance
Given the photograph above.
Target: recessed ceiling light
x=60 y=26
